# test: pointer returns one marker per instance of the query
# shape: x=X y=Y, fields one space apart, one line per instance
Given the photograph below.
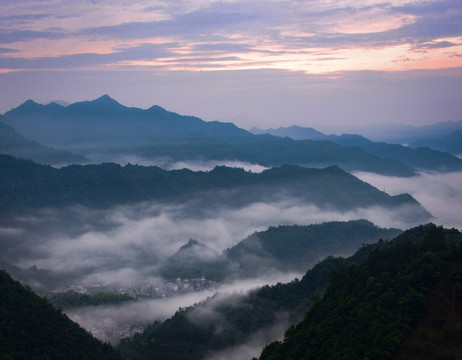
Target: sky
x=255 y=63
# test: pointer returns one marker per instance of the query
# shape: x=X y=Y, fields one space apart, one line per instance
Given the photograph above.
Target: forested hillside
x=27 y=185
x=373 y=310
x=30 y=328
x=283 y=248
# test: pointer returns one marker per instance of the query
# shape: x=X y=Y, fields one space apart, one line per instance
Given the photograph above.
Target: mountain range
x=451 y=143
x=397 y=133
x=421 y=158
x=13 y=143
x=103 y=129
x=28 y=185
x=426 y=155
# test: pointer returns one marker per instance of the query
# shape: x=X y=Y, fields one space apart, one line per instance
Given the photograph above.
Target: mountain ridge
x=13 y=143
x=105 y=127
x=106 y=185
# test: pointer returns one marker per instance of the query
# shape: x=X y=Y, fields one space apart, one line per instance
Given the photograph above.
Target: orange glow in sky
x=305 y=39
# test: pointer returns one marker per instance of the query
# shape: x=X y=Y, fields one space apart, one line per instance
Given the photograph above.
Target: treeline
x=71 y=299
x=31 y=329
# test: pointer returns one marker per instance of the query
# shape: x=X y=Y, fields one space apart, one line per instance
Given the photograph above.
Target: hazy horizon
x=265 y=64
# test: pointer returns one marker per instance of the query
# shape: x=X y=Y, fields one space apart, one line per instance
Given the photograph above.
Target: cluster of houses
x=159 y=290
x=168 y=289
x=107 y=329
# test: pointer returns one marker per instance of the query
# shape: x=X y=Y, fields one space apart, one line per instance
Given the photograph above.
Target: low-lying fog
x=108 y=320
x=128 y=242
x=125 y=245
x=168 y=164
x=441 y=194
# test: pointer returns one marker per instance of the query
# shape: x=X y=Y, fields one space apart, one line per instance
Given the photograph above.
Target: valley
x=213 y=261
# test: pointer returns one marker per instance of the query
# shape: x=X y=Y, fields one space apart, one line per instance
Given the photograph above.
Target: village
x=158 y=290
x=106 y=329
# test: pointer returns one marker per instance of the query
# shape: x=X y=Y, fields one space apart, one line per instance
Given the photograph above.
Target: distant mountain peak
x=157 y=109
x=28 y=105
x=102 y=105
x=105 y=99
x=192 y=243
x=59 y=102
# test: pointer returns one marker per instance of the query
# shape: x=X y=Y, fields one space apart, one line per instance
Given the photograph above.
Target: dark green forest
x=298 y=247
x=369 y=310
x=31 y=329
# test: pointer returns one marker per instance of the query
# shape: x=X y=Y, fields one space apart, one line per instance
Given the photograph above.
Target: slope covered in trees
x=30 y=328
x=300 y=247
x=283 y=248
x=369 y=310
x=25 y=185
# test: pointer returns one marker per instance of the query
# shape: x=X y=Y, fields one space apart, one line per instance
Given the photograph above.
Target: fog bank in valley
x=143 y=312
x=169 y=164
x=440 y=194
x=128 y=243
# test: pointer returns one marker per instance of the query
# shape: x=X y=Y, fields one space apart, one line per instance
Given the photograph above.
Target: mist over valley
x=165 y=223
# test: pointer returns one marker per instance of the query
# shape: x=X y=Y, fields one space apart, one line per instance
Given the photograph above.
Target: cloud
x=104 y=319
x=82 y=60
x=441 y=194
x=254 y=345
x=27 y=35
x=168 y=164
x=130 y=243
x=297 y=31
x=217 y=16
